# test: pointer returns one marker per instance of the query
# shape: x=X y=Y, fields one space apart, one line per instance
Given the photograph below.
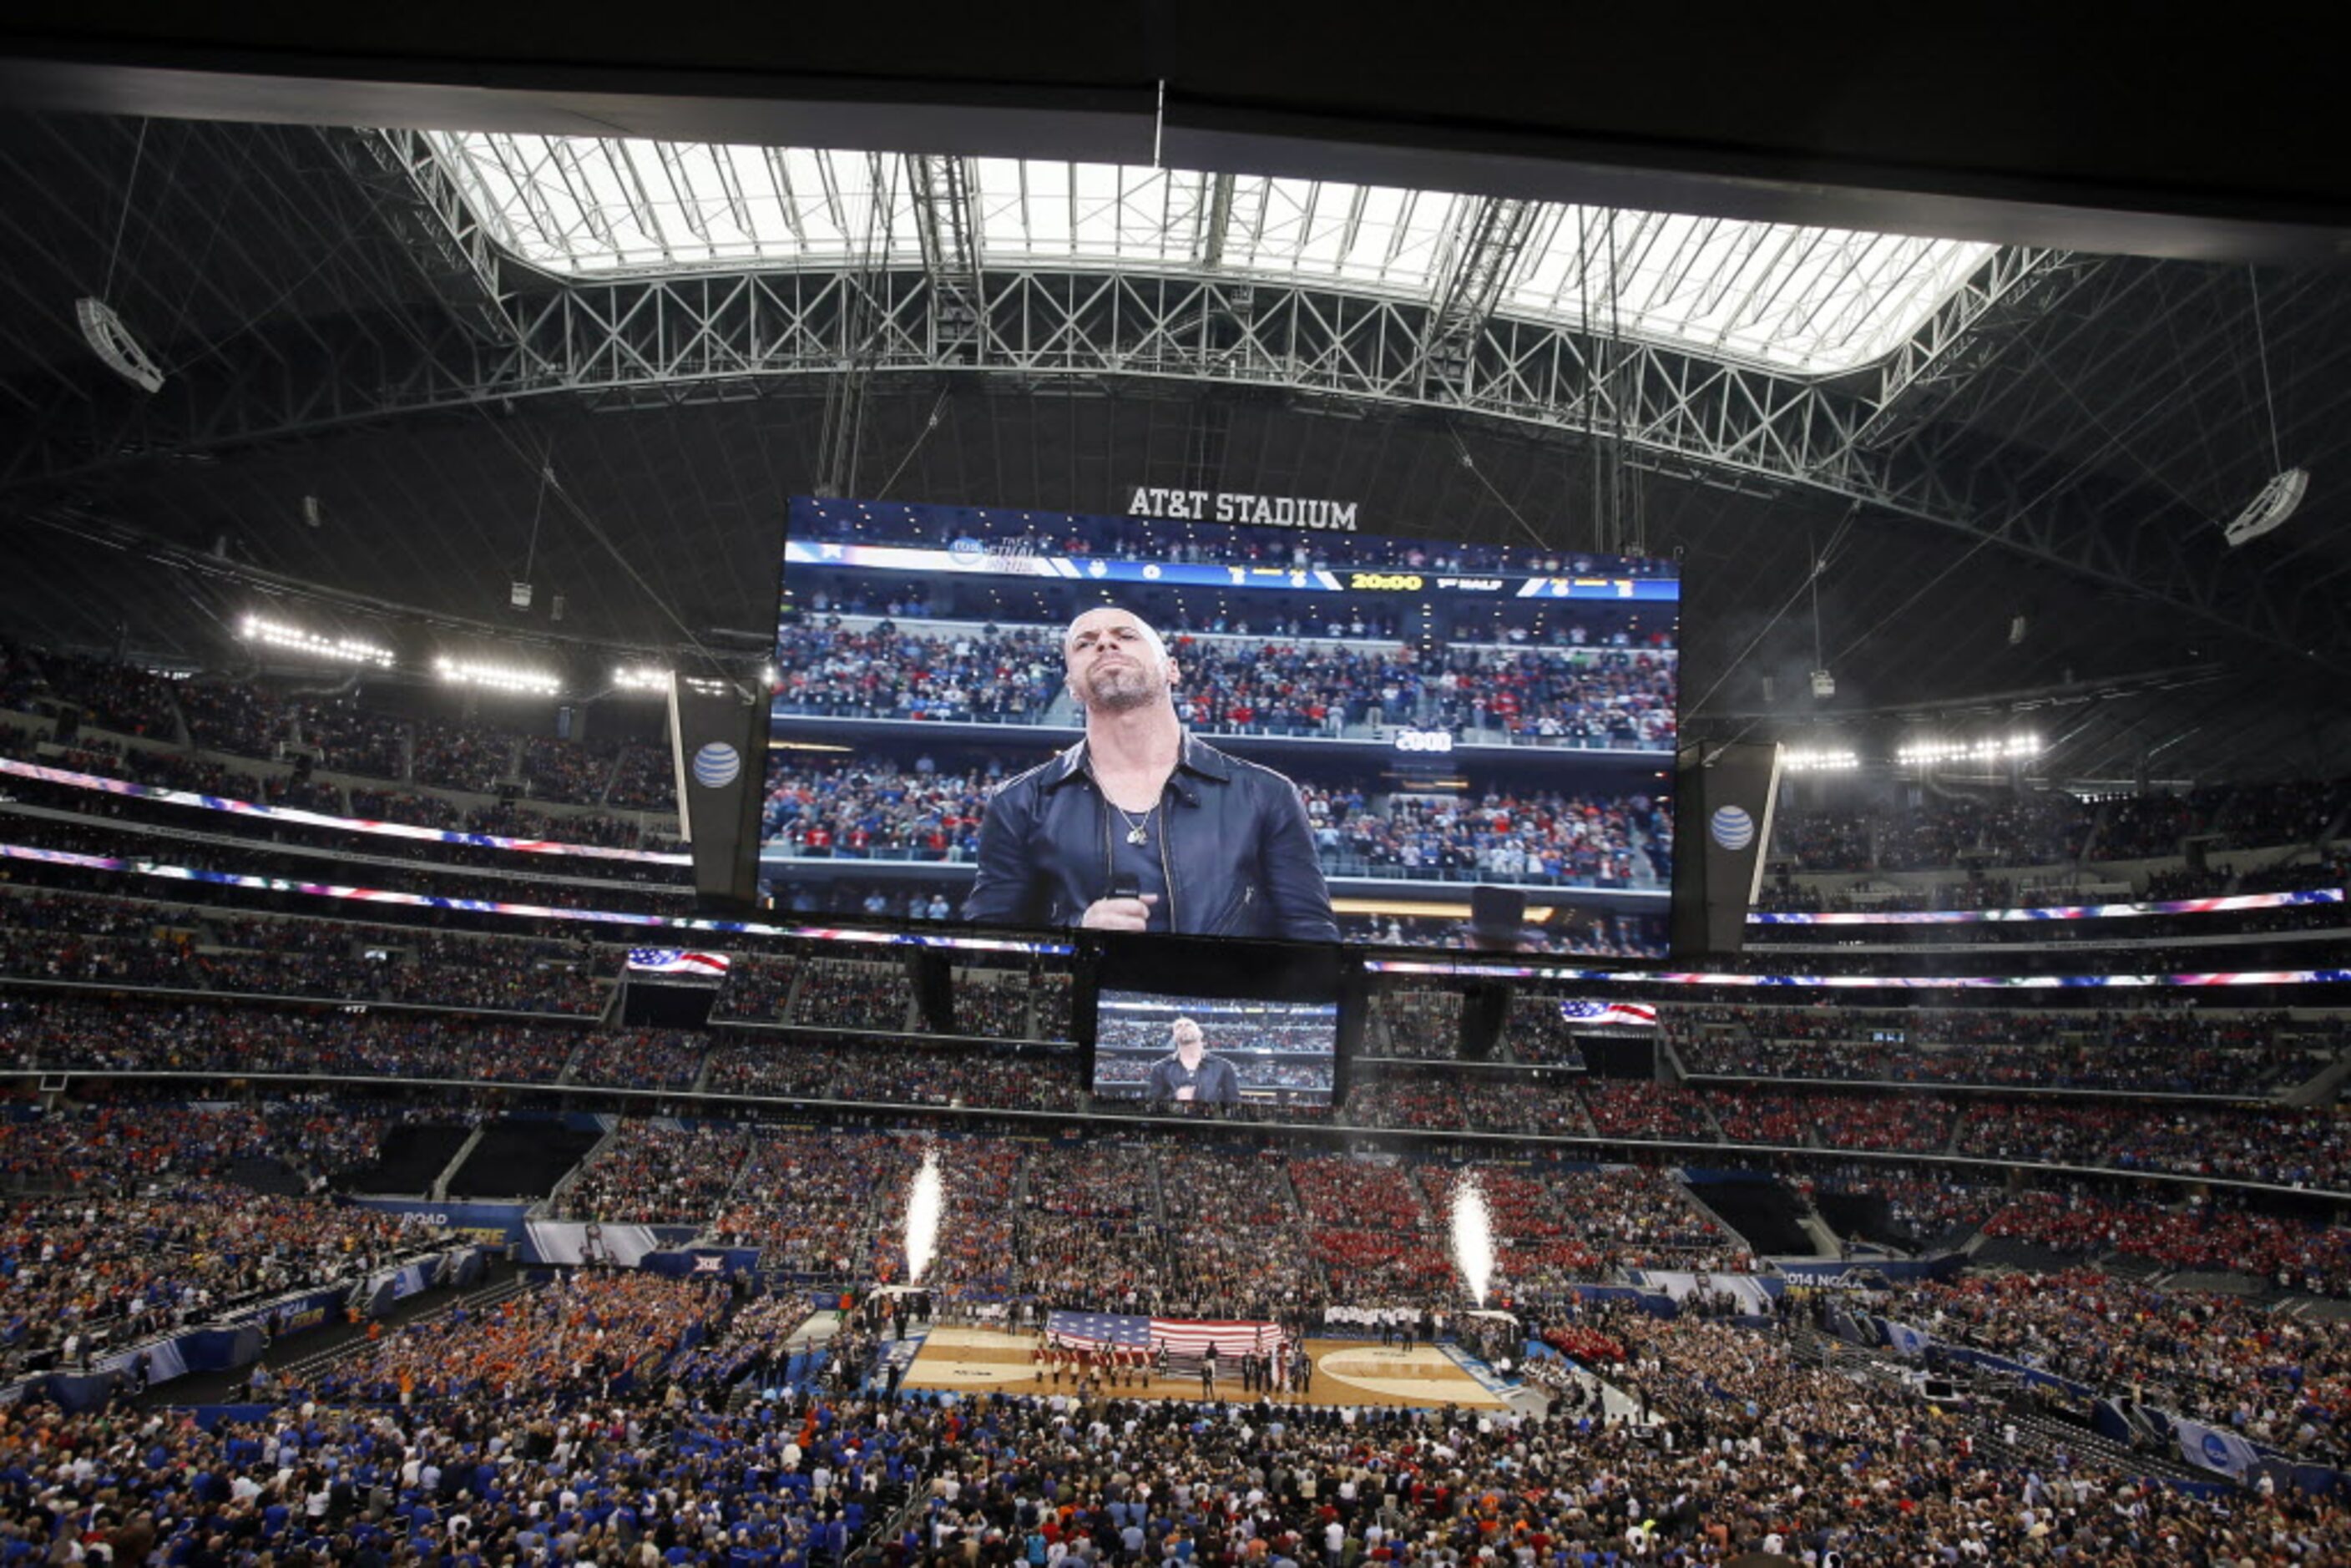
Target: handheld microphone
x=1124 y=885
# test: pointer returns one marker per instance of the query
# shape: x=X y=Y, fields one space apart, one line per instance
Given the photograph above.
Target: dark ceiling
x=2142 y=400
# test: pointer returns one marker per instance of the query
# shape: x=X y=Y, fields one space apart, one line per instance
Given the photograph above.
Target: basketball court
x=1346 y=1371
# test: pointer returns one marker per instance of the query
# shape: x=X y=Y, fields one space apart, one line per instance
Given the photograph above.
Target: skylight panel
x=1799 y=298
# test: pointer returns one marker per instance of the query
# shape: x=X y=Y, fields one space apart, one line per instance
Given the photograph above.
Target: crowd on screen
x=1128 y=538
x=880 y=811
x=1620 y=696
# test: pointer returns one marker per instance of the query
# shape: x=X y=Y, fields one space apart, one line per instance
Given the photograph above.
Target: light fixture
x=496 y=677
x=653 y=678
x=1819 y=759
x=2278 y=500
x=111 y=341
x=1991 y=748
x=278 y=635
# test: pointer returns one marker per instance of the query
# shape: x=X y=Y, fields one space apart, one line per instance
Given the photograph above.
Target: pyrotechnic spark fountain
x=1473 y=1237
x=924 y=1203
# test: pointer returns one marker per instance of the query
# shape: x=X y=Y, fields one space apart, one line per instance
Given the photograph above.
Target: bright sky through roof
x=1809 y=300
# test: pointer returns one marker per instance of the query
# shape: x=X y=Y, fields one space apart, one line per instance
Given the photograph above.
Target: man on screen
x=1141 y=827
x=1188 y=1074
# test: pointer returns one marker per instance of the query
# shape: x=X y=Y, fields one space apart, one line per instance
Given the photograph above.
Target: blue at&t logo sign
x=1732 y=828
x=716 y=765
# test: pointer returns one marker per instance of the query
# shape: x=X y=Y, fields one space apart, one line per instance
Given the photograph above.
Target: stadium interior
x=430 y=1134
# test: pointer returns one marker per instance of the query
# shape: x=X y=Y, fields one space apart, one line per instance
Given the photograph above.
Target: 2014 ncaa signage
x=1241 y=507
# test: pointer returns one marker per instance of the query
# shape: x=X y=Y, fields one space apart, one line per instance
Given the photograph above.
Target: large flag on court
x=677 y=961
x=1609 y=1015
x=1183 y=1337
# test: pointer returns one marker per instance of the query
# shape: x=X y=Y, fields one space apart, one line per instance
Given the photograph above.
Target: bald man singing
x=1142 y=827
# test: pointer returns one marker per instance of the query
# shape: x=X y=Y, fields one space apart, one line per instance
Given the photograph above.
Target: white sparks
x=924 y=1203
x=1473 y=1237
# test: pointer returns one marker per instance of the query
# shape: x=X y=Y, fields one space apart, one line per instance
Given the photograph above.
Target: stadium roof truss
x=1800 y=299
x=624 y=274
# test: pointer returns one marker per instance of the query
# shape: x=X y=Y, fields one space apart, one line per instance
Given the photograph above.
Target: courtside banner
x=721 y=752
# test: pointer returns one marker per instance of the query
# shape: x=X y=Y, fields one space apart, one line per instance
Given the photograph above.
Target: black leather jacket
x=1236 y=850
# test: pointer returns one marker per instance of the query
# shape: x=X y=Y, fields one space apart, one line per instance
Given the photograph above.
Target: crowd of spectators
x=120 y=1222
x=639 y=1058
x=1627 y=1110
x=568 y=1423
x=976 y=1254
x=2179 y=1051
x=1536 y=1104
x=899 y=1075
x=996 y=1007
x=657 y=1173
x=839 y=994
x=101 y=939
x=1952 y=831
x=587 y=1335
x=1234 y=1244
x=808 y=1201
x=69 y=1034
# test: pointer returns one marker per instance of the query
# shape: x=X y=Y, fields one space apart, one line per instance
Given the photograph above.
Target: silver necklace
x=1137 y=827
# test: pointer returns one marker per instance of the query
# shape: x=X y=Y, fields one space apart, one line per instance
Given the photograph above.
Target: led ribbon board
x=1861 y=982
x=130 y=791
x=518 y=911
x=2231 y=905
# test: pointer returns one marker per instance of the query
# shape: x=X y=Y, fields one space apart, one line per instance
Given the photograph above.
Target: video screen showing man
x=1156 y=1049
x=1189 y=1074
x=1141 y=826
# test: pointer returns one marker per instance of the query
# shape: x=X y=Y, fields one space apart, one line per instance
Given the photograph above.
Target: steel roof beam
x=692 y=338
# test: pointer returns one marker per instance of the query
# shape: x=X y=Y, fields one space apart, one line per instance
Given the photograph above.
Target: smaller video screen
x=1178 y=1053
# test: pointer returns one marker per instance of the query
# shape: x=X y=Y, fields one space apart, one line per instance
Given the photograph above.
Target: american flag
x=1607 y=1015
x=677 y=961
x=1184 y=1338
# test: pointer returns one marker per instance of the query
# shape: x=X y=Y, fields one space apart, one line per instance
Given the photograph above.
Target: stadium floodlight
x=294 y=639
x=653 y=678
x=1819 y=759
x=1991 y=748
x=497 y=677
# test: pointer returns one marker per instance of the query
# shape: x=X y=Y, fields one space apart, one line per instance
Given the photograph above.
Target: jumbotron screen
x=1175 y=1052
x=1042 y=722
